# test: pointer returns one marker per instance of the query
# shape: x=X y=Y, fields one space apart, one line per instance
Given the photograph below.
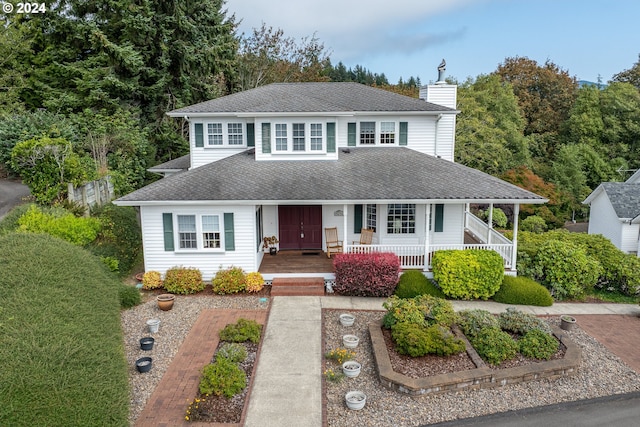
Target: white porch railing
x=482 y=231
x=412 y=256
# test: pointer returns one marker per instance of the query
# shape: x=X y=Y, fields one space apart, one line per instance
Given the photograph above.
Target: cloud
x=353 y=29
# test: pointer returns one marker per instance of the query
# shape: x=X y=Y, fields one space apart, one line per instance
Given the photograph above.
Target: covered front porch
x=413 y=252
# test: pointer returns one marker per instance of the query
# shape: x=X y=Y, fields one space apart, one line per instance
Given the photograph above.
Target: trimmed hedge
x=468 y=274
x=423 y=310
x=524 y=291
x=367 y=275
x=413 y=283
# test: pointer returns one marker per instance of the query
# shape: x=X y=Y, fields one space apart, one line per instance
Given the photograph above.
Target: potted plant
x=355 y=400
x=567 y=322
x=270 y=242
x=350 y=341
x=347 y=319
x=165 y=301
x=351 y=368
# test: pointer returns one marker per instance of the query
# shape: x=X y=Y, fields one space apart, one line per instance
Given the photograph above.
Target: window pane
x=235 y=133
x=367 y=132
x=316 y=136
x=387 y=132
x=298 y=137
x=187 y=232
x=210 y=223
x=210 y=231
x=214 y=133
x=281 y=137
x=371 y=217
x=401 y=218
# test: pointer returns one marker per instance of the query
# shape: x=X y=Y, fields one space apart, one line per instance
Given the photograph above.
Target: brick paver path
x=619 y=333
x=179 y=385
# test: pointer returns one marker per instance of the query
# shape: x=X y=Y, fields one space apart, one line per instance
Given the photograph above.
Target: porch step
x=297 y=286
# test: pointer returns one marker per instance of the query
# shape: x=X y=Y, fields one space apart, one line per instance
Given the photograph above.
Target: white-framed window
x=387 y=133
x=235 y=133
x=187 y=233
x=316 y=136
x=214 y=133
x=298 y=137
x=401 y=218
x=199 y=232
x=367 y=133
x=371 y=217
x=281 y=137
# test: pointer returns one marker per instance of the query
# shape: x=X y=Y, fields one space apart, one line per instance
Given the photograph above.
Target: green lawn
x=61 y=342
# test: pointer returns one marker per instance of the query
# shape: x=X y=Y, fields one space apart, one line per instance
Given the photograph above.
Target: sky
x=404 y=38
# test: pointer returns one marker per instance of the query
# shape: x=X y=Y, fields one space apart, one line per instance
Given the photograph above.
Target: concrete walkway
x=287 y=389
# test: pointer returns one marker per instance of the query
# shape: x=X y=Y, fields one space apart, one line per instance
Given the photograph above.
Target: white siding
x=603 y=220
x=629 y=238
x=203 y=155
x=453 y=226
x=156 y=258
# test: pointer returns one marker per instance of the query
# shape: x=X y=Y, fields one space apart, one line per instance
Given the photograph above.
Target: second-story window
x=298 y=137
x=316 y=136
x=367 y=133
x=281 y=137
x=214 y=133
x=235 y=133
x=387 y=133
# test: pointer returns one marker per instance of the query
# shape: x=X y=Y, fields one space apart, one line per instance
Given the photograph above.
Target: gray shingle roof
x=181 y=163
x=624 y=197
x=363 y=173
x=318 y=97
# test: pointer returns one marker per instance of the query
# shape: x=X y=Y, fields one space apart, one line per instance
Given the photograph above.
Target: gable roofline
x=435 y=113
x=624 y=198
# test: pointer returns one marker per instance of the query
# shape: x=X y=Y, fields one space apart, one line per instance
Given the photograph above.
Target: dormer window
x=387 y=133
x=299 y=137
x=219 y=134
x=367 y=133
x=234 y=131
x=214 y=133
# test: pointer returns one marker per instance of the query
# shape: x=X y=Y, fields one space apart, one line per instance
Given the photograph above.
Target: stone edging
x=481 y=377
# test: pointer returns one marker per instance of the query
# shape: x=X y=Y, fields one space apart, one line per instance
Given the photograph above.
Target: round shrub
x=415 y=340
x=468 y=274
x=229 y=281
x=538 y=344
x=533 y=224
x=233 y=351
x=151 y=280
x=471 y=322
x=516 y=321
x=183 y=280
x=523 y=290
x=241 y=331
x=494 y=345
x=423 y=310
x=222 y=377
x=254 y=282
x=565 y=269
x=129 y=296
x=413 y=283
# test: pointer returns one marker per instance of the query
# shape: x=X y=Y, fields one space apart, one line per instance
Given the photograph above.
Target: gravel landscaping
x=601 y=373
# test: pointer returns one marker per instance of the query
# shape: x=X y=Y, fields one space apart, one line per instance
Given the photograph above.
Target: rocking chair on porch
x=333 y=244
x=366 y=237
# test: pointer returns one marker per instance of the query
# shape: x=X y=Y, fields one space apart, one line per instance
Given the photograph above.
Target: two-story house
x=293 y=159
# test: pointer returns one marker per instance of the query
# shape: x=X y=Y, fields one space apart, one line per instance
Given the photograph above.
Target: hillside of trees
x=84 y=89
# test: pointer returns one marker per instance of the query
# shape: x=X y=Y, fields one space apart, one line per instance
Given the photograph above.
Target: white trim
x=251 y=114
x=199 y=233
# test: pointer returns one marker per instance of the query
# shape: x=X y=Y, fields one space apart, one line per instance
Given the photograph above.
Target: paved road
x=11 y=194
x=611 y=411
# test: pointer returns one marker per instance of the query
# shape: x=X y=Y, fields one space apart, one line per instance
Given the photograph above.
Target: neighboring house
x=615 y=213
x=292 y=159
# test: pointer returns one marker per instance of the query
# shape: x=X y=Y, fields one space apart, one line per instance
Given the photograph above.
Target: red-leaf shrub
x=366 y=275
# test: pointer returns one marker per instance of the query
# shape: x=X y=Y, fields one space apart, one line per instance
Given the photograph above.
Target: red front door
x=300 y=227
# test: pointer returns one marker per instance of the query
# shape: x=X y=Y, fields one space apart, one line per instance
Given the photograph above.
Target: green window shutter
x=403 y=133
x=266 y=137
x=351 y=134
x=229 y=238
x=439 y=219
x=357 y=218
x=251 y=135
x=199 y=134
x=331 y=137
x=167 y=225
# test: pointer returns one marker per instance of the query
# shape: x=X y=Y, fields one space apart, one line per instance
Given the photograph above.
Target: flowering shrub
x=333 y=375
x=222 y=377
x=340 y=355
x=151 y=280
x=183 y=280
x=254 y=282
x=369 y=275
x=229 y=281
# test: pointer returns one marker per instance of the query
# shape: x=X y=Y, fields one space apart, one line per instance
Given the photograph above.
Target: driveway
x=11 y=194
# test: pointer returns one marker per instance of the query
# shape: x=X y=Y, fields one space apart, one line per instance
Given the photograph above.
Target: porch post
x=514 y=246
x=467 y=206
x=427 y=231
x=490 y=222
x=345 y=223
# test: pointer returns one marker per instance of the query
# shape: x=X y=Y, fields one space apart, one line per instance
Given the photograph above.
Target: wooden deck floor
x=312 y=261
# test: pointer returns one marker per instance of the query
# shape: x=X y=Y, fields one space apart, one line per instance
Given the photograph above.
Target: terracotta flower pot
x=165 y=301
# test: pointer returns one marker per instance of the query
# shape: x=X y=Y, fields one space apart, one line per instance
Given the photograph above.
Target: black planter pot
x=143 y=364
x=273 y=251
x=146 y=343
